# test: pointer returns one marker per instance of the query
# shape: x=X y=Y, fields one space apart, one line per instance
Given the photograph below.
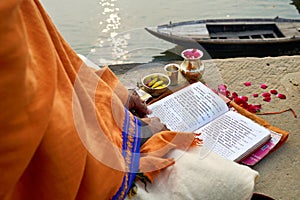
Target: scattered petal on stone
x=222 y=87
x=263 y=86
x=244 y=98
x=281 y=96
x=240 y=102
x=234 y=95
x=254 y=108
x=266 y=94
x=273 y=91
x=267 y=99
x=258 y=107
x=227 y=93
x=247 y=84
x=255 y=95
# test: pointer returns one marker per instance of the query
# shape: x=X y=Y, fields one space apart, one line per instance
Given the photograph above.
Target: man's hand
x=154 y=124
x=137 y=106
x=150 y=126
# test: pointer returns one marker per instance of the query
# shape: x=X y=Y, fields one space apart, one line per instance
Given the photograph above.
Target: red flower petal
x=234 y=95
x=263 y=86
x=254 y=108
x=267 y=99
x=251 y=109
x=247 y=84
x=266 y=94
x=244 y=98
x=281 y=96
x=239 y=101
x=227 y=94
x=255 y=95
x=257 y=107
x=273 y=92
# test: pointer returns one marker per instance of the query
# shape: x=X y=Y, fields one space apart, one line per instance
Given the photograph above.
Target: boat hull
x=285 y=42
x=250 y=50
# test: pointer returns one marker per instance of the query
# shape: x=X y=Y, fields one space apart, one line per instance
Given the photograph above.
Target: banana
x=152 y=82
x=161 y=86
x=158 y=83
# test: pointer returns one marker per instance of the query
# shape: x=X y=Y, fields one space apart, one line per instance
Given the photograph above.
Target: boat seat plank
x=237 y=35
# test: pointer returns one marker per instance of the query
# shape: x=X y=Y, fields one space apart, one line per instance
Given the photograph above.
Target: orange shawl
x=52 y=108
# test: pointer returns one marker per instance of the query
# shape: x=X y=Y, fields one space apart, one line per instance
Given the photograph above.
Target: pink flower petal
x=188 y=54
x=247 y=84
x=266 y=94
x=273 y=91
x=192 y=54
x=267 y=99
x=222 y=87
x=281 y=96
x=196 y=54
x=255 y=95
x=263 y=86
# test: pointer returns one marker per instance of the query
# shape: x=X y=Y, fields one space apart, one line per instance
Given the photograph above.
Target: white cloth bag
x=200 y=174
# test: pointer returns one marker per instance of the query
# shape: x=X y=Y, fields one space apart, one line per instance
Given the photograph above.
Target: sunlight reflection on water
x=112 y=31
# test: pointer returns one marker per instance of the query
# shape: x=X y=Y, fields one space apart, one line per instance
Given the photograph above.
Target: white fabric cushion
x=200 y=174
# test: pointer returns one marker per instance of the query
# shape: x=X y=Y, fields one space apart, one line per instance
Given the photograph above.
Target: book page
x=189 y=108
x=233 y=135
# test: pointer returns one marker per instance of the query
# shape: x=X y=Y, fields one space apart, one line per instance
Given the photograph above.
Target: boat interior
x=244 y=31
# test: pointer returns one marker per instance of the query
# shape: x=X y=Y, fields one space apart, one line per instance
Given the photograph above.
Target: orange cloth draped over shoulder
x=61 y=121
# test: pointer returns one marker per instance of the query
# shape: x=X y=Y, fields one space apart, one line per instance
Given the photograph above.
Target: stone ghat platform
x=279 y=171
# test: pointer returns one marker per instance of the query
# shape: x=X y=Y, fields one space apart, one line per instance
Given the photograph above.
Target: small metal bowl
x=155 y=78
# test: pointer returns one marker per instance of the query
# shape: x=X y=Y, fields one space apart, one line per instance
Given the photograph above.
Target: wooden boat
x=222 y=38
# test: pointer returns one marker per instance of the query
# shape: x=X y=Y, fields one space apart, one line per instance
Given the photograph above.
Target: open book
x=196 y=108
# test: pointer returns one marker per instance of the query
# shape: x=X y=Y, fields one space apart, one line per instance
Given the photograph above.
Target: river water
x=112 y=31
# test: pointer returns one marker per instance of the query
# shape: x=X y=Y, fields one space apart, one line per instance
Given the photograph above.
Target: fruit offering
x=155 y=84
x=156 y=81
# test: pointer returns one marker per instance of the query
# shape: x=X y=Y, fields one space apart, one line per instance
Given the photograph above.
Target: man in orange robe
x=66 y=132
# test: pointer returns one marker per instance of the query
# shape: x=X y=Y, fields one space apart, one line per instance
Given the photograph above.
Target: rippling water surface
x=112 y=31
